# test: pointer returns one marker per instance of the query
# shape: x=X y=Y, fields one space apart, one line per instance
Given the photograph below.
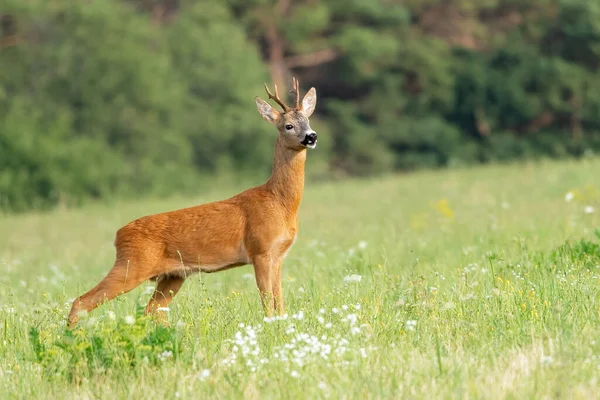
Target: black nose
x=309 y=139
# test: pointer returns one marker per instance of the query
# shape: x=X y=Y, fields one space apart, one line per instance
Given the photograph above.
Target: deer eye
x=289 y=127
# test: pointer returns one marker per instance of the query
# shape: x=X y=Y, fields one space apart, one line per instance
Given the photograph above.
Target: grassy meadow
x=471 y=283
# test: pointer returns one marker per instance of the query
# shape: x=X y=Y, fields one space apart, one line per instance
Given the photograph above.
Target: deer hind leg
x=122 y=278
x=263 y=270
x=166 y=288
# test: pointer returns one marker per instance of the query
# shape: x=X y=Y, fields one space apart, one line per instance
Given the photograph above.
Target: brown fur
x=257 y=226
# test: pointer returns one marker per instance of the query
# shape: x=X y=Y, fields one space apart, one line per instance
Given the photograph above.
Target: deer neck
x=287 y=178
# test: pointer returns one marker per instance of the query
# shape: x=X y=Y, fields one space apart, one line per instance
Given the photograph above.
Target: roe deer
x=257 y=226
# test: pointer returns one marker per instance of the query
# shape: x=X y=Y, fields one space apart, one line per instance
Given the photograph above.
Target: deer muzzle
x=310 y=140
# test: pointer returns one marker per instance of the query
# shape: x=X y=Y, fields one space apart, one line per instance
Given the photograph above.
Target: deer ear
x=309 y=102
x=266 y=111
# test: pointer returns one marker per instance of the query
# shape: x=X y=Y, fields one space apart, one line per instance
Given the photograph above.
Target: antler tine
x=276 y=98
x=297 y=92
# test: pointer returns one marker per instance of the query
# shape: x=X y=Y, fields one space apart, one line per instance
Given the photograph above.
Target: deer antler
x=276 y=98
x=296 y=91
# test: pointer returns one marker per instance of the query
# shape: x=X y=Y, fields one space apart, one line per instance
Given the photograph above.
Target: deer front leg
x=277 y=286
x=263 y=270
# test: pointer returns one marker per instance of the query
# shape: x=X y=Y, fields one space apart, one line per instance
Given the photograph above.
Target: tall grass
x=456 y=284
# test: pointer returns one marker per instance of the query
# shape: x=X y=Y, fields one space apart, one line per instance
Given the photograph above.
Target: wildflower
x=589 y=210
x=129 y=320
x=294 y=374
x=357 y=307
x=111 y=315
x=442 y=207
x=362 y=245
x=204 y=374
x=321 y=311
x=352 y=318
x=344 y=307
x=165 y=309
x=299 y=315
x=569 y=196
x=335 y=310
x=322 y=385
x=411 y=324
x=165 y=354
x=353 y=278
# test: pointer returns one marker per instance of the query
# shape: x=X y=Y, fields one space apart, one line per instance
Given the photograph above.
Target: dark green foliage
x=583 y=252
x=105 y=345
x=122 y=97
x=99 y=101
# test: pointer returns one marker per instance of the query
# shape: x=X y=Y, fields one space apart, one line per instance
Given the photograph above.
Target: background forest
x=114 y=98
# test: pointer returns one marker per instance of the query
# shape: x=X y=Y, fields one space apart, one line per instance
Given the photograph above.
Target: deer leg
x=121 y=279
x=166 y=288
x=277 y=288
x=263 y=271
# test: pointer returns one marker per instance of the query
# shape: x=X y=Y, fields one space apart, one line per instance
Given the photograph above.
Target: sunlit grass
x=456 y=284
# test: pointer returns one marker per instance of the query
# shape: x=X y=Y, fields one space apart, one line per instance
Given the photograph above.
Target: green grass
x=478 y=283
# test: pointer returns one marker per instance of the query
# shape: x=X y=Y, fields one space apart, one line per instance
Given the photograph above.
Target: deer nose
x=311 y=138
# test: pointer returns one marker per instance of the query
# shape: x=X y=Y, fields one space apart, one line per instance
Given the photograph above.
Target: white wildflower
x=589 y=210
x=165 y=309
x=352 y=318
x=111 y=315
x=204 y=374
x=411 y=324
x=294 y=374
x=129 y=320
x=362 y=245
x=353 y=278
x=569 y=196
x=299 y=315
x=165 y=354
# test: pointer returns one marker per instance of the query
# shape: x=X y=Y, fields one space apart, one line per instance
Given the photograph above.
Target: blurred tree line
x=129 y=97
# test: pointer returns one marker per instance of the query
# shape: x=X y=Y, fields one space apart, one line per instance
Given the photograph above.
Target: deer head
x=292 y=123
